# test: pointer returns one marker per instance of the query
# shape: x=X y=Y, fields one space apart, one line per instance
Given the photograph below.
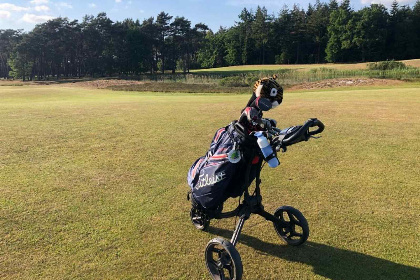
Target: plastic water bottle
x=266 y=149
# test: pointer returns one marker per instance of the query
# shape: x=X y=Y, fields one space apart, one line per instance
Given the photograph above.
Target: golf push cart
x=222 y=259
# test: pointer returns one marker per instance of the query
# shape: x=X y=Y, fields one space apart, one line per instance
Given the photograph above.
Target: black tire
x=297 y=230
x=223 y=260
x=199 y=219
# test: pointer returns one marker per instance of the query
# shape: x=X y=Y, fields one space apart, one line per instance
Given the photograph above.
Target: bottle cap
x=258 y=134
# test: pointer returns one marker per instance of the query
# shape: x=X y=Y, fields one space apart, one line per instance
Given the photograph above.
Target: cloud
x=118 y=1
x=385 y=2
x=5 y=14
x=38 y=2
x=31 y=18
x=266 y=3
x=92 y=5
x=12 y=7
x=63 y=5
x=42 y=8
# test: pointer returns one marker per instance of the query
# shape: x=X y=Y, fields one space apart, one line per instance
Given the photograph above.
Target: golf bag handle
x=303 y=133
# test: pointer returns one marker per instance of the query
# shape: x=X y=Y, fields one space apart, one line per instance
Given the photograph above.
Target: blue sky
x=24 y=14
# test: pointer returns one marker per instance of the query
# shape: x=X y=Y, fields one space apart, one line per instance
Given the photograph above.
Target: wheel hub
x=225 y=259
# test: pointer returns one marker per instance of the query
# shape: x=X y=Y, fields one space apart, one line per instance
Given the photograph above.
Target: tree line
x=324 y=32
x=99 y=47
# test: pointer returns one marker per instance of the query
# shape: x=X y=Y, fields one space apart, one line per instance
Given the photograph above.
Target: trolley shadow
x=330 y=262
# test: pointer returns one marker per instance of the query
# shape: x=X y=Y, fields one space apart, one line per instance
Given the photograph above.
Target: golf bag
x=226 y=170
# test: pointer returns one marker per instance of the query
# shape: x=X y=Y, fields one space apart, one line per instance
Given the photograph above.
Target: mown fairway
x=93 y=185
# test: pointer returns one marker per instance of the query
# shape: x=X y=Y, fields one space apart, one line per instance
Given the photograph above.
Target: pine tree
x=245 y=26
x=340 y=32
x=260 y=33
x=163 y=30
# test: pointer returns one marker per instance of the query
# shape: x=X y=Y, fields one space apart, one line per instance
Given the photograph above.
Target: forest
x=98 y=47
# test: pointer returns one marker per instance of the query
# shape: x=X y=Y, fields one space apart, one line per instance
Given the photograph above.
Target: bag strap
x=248 y=172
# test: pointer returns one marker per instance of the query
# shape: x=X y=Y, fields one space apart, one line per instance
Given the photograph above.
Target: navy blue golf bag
x=214 y=178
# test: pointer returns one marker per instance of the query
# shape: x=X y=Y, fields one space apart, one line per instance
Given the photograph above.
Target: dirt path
x=99 y=83
x=345 y=82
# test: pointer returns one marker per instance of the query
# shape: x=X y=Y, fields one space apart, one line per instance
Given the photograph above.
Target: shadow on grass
x=327 y=261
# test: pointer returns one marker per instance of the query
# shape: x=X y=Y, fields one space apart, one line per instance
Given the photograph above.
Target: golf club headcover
x=267 y=88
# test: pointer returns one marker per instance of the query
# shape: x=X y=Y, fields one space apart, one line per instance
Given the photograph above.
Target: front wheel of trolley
x=199 y=219
x=294 y=229
x=223 y=260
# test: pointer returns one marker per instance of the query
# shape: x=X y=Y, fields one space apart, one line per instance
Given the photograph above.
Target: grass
x=228 y=78
x=292 y=74
x=299 y=67
x=412 y=62
x=237 y=79
x=93 y=185
x=237 y=82
x=180 y=87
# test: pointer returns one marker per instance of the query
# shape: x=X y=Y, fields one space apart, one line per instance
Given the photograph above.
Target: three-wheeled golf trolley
x=222 y=259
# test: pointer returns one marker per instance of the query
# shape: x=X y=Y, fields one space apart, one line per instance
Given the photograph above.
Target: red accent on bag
x=256 y=160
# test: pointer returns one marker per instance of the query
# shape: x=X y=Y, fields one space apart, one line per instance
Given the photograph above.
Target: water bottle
x=267 y=150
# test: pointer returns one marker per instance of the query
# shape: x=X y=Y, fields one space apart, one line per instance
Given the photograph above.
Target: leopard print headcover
x=269 y=88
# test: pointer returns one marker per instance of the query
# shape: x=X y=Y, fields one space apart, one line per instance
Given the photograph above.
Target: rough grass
x=271 y=67
x=300 y=74
x=93 y=185
x=300 y=67
x=180 y=88
x=236 y=79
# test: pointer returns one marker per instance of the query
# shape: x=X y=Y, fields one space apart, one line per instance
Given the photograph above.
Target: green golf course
x=93 y=184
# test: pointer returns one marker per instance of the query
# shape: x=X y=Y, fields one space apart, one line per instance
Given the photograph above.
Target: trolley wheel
x=223 y=260
x=297 y=230
x=199 y=219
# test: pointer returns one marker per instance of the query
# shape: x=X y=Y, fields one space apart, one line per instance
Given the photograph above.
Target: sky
x=24 y=14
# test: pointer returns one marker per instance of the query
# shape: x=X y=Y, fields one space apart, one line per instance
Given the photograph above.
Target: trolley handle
x=302 y=133
x=317 y=123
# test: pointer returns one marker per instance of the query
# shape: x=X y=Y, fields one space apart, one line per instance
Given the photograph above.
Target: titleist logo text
x=205 y=180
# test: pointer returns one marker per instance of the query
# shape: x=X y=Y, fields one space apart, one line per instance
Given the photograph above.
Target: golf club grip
x=297 y=136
